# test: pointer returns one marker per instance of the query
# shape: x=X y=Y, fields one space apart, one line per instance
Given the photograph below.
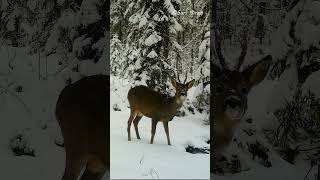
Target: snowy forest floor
x=30 y=113
x=139 y=159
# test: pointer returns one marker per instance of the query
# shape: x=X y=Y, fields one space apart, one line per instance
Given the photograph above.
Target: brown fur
x=146 y=102
x=82 y=114
x=224 y=127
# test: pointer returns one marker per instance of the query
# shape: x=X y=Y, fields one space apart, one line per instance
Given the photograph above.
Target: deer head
x=182 y=88
x=230 y=91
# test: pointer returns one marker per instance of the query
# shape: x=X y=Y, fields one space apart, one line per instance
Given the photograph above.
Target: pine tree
x=154 y=26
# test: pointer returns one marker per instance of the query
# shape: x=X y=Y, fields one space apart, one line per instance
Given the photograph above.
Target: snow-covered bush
x=298 y=123
x=20 y=146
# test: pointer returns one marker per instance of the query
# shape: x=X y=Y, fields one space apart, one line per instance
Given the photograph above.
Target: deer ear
x=174 y=83
x=258 y=71
x=190 y=83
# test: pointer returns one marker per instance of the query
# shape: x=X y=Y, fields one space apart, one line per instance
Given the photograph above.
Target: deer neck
x=178 y=101
x=224 y=129
x=225 y=124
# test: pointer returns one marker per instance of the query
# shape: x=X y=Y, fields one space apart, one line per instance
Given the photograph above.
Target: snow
x=134 y=18
x=141 y=160
x=68 y=20
x=31 y=114
x=143 y=21
x=313 y=84
x=176 y=45
x=312 y=9
x=177 y=26
x=284 y=89
x=152 y=54
x=169 y=6
x=308 y=32
x=204 y=50
x=152 y=39
x=177 y=1
x=17 y=119
x=30 y=84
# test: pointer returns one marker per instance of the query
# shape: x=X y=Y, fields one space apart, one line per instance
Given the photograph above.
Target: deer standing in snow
x=155 y=105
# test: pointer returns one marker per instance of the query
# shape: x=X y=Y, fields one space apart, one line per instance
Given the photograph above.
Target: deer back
x=151 y=103
x=82 y=113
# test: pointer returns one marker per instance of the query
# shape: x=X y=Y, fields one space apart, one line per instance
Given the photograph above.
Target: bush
x=299 y=123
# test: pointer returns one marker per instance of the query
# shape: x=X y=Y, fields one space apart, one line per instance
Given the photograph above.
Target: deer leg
x=74 y=165
x=166 y=129
x=95 y=170
x=153 y=129
x=132 y=116
x=135 y=123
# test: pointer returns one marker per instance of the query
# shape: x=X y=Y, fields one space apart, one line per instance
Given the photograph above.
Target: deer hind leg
x=153 y=129
x=166 y=129
x=74 y=165
x=135 y=123
x=95 y=170
x=132 y=116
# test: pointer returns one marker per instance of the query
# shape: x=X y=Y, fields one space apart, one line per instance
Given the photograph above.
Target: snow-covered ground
x=138 y=159
x=29 y=113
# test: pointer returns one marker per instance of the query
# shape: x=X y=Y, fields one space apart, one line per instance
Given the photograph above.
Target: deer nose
x=183 y=94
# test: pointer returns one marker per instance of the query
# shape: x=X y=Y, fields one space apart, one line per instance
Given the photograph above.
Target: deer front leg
x=153 y=129
x=166 y=129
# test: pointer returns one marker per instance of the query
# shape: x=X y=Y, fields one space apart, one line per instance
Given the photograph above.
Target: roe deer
x=82 y=113
x=146 y=102
x=230 y=89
